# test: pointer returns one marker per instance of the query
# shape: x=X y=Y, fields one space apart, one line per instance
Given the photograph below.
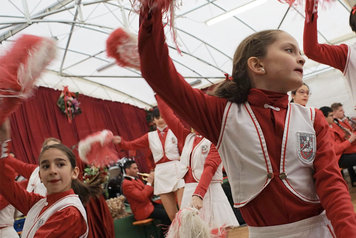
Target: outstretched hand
x=5 y=131
x=116 y=140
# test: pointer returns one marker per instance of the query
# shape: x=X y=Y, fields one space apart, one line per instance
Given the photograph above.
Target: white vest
x=243 y=150
x=170 y=146
x=34 y=221
x=196 y=157
x=35 y=185
x=7 y=216
x=350 y=69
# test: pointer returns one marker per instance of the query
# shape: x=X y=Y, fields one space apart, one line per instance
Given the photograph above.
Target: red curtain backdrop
x=39 y=118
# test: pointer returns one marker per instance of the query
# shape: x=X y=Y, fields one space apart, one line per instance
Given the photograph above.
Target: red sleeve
x=211 y=164
x=3 y=202
x=13 y=192
x=332 y=55
x=172 y=121
x=139 y=143
x=22 y=168
x=330 y=186
x=132 y=192
x=67 y=222
x=202 y=112
x=340 y=145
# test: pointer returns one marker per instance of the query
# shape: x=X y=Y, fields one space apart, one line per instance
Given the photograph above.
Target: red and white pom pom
x=98 y=149
x=19 y=69
x=122 y=46
x=188 y=224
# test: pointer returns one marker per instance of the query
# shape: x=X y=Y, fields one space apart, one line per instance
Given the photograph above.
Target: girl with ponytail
x=55 y=214
x=278 y=156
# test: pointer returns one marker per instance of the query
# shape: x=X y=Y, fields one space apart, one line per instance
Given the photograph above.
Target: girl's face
x=283 y=64
x=301 y=95
x=159 y=122
x=56 y=171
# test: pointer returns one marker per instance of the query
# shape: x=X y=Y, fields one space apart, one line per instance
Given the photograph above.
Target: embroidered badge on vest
x=204 y=149
x=306 y=147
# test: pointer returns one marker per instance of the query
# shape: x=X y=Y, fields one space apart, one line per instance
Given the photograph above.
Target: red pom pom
x=122 y=46
x=98 y=149
x=19 y=69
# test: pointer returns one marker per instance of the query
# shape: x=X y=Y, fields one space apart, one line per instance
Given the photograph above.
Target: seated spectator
x=139 y=195
x=344 y=137
x=328 y=114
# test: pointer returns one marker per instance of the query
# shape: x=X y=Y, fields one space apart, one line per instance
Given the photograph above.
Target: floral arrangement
x=68 y=103
x=95 y=175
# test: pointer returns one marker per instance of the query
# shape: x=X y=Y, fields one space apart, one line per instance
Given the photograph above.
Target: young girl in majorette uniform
x=278 y=156
x=54 y=214
x=201 y=169
x=164 y=147
x=341 y=57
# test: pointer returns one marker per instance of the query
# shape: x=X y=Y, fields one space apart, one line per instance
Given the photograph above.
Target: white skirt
x=216 y=210
x=317 y=226
x=166 y=178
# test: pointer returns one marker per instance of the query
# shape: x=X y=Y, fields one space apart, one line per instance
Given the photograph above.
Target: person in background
x=165 y=150
x=201 y=169
x=344 y=137
x=139 y=195
x=301 y=95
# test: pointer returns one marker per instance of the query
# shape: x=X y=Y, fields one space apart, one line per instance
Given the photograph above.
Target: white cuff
x=149 y=184
x=5 y=149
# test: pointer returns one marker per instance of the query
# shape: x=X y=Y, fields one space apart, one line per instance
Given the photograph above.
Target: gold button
x=282 y=176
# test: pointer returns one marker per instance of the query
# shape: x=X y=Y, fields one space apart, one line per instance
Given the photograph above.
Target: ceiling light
x=235 y=11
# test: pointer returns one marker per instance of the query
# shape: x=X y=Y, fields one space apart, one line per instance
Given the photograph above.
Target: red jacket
x=342 y=146
x=139 y=196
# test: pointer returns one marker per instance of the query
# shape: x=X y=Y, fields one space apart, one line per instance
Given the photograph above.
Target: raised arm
x=204 y=113
x=22 y=168
x=12 y=191
x=172 y=121
x=139 y=143
x=332 y=55
x=330 y=185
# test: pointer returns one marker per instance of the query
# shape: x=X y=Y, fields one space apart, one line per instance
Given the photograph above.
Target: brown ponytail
x=85 y=191
x=255 y=45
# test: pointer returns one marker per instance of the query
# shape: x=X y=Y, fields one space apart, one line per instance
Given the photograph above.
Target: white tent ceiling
x=81 y=28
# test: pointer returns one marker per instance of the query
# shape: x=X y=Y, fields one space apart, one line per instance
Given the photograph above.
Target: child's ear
x=39 y=175
x=75 y=173
x=255 y=65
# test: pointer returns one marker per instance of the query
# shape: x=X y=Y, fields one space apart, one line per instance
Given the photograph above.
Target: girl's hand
x=116 y=140
x=197 y=202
